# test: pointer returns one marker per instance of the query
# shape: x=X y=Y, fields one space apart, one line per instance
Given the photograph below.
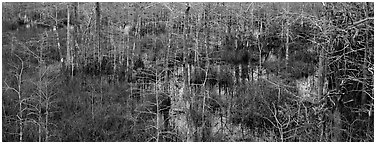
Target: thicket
x=187 y=72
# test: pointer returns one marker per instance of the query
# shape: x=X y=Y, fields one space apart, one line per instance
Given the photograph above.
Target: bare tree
x=18 y=73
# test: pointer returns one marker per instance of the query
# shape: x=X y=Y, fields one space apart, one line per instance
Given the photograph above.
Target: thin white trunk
x=157 y=103
x=68 y=57
x=47 y=115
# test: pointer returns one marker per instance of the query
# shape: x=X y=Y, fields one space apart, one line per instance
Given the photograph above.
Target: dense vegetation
x=187 y=72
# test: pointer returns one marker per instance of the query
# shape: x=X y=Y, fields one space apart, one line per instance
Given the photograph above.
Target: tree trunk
x=98 y=26
x=54 y=29
x=364 y=69
x=206 y=29
x=287 y=38
x=68 y=56
x=187 y=96
x=321 y=74
x=99 y=47
x=75 y=25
